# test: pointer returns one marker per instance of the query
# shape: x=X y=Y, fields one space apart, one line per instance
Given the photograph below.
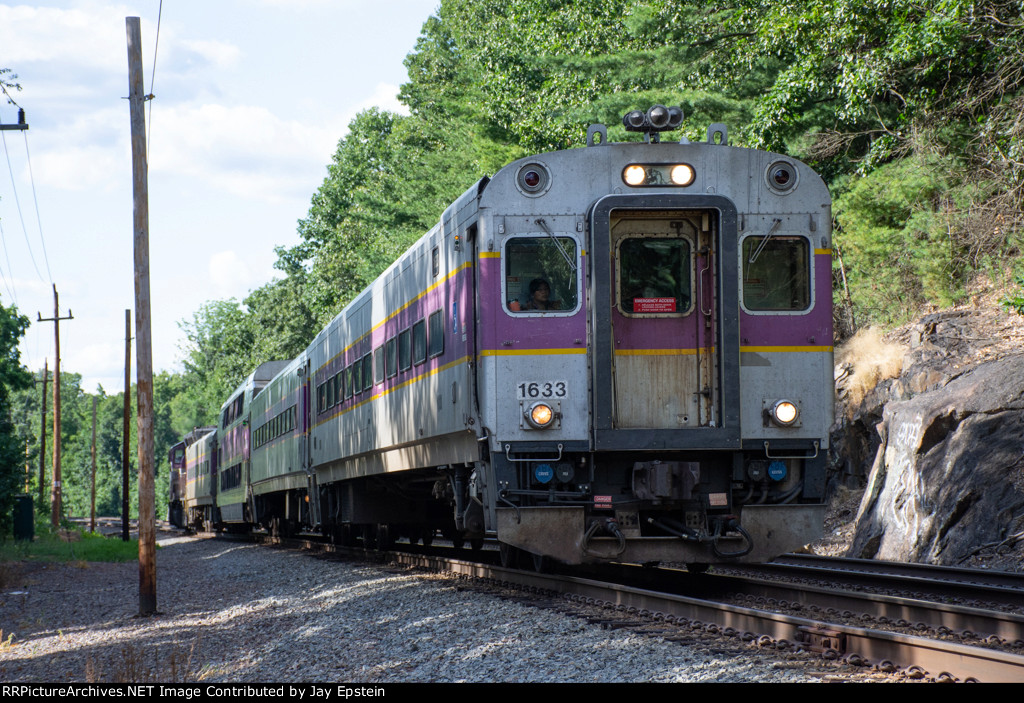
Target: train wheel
x=697 y=567
x=541 y=563
x=458 y=542
x=428 y=537
x=476 y=544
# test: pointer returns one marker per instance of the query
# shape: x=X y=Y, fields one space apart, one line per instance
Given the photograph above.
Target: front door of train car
x=664 y=323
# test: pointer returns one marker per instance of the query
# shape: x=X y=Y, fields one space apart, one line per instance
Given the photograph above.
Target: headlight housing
x=539 y=415
x=784 y=413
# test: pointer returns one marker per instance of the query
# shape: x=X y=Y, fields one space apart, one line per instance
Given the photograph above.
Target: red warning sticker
x=654 y=304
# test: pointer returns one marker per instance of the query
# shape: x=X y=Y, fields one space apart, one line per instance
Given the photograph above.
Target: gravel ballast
x=239 y=612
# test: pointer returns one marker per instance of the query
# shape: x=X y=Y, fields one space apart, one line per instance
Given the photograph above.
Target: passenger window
x=436 y=347
x=378 y=364
x=332 y=388
x=654 y=275
x=391 y=357
x=419 y=342
x=368 y=371
x=776 y=273
x=405 y=350
x=540 y=274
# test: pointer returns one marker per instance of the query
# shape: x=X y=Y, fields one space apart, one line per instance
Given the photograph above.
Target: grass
x=70 y=545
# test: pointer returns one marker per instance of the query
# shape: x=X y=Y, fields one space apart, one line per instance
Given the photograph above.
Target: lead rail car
x=617 y=352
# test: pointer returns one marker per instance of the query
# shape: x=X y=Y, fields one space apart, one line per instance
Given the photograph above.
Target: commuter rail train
x=616 y=352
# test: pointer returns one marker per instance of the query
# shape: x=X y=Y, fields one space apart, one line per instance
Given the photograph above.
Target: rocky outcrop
x=945 y=442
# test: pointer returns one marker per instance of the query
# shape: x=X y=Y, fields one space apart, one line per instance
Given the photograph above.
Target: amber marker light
x=682 y=174
x=540 y=415
x=634 y=175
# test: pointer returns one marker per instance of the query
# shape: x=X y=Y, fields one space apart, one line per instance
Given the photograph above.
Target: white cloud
x=218 y=53
x=91 y=35
x=230 y=276
x=244 y=150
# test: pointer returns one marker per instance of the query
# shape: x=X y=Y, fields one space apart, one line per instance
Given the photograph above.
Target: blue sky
x=251 y=99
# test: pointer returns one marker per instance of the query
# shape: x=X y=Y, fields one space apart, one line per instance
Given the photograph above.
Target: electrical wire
x=35 y=200
x=10 y=271
x=152 y=80
x=17 y=201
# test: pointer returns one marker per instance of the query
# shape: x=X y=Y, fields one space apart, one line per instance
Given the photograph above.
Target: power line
x=10 y=271
x=152 y=80
x=39 y=220
x=17 y=201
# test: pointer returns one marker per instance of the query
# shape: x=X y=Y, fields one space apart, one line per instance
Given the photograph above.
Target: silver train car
x=620 y=352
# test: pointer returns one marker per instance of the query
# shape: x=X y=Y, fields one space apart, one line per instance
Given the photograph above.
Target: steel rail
x=942 y=659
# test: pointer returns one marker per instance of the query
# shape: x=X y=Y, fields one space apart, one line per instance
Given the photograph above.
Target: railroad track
x=921 y=636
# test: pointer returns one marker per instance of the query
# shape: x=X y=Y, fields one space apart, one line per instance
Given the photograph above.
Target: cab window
x=776 y=273
x=654 y=275
x=540 y=274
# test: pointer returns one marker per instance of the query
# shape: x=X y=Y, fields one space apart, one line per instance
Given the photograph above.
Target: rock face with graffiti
x=948 y=472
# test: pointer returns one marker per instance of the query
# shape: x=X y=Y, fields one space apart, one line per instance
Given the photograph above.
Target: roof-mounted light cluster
x=657 y=119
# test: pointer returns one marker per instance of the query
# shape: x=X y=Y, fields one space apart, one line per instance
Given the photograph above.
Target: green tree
x=13 y=377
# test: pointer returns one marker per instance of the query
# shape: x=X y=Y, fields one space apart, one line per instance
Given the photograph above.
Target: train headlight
x=658 y=175
x=635 y=175
x=784 y=413
x=540 y=415
x=682 y=174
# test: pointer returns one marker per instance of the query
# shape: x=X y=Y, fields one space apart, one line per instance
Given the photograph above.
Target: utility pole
x=126 y=440
x=143 y=337
x=42 y=438
x=92 y=512
x=21 y=125
x=55 y=496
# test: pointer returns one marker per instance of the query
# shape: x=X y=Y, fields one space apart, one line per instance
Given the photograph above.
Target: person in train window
x=540 y=297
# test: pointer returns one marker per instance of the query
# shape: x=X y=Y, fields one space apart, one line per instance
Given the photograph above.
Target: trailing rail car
x=183 y=475
x=617 y=352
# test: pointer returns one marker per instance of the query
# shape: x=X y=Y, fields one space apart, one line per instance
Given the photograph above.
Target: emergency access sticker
x=602 y=501
x=654 y=304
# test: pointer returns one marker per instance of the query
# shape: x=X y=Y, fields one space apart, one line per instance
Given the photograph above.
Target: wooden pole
x=126 y=440
x=143 y=339
x=42 y=438
x=55 y=495
x=92 y=511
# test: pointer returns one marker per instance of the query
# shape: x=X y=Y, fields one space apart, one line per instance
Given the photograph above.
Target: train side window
x=779 y=277
x=653 y=275
x=321 y=397
x=348 y=382
x=368 y=371
x=419 y=342
x=541 y=274
x=436 y=334
x=332 y=390
x=391 y=357
x=378 y=364
x=357 y=377
x=405 y=350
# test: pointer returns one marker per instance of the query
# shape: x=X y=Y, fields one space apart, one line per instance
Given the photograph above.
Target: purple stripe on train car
x=526 y=331
x=811 y=329
x=454 y=290
x=440 y=297
x=659 y=333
